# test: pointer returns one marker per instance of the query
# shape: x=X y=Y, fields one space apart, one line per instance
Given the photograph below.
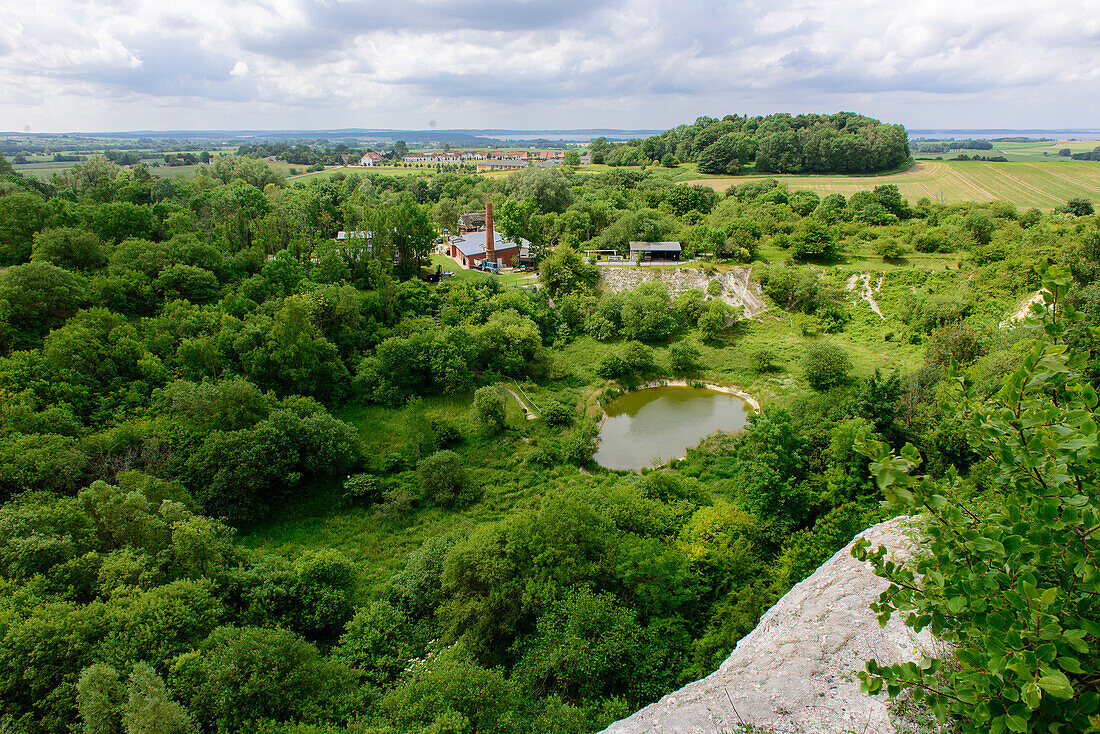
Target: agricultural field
x=1038 y=151
x=1041 y=185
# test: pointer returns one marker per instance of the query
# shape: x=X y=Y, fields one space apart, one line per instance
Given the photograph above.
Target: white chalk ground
x=738 y=288
x=1024 y=310
x=863 y=284
x=796 y=672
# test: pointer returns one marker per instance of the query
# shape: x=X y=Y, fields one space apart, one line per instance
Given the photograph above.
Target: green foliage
x=68 y=247
x=556 y=414
x=444 y=481
x=683 y=358
x=825 y=364
x=41 y=295
x=488 y=408
x=242 y=674
x=1009 y=580
x=564 y=272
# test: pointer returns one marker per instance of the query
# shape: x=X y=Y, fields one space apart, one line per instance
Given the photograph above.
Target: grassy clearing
x=463 y=274
x=1040 y=185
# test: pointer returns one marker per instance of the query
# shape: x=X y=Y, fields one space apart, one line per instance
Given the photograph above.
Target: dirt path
x=527 y=408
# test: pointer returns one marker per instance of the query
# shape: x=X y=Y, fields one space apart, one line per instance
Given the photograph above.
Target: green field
x=1042 y=185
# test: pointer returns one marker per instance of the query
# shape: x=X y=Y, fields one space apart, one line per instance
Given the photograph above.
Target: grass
x=1042 y=185
x=378 y=546
x=463 y=274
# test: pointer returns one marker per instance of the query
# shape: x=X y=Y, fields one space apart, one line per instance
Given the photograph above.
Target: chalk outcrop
x=738 y=288
x=796 y=672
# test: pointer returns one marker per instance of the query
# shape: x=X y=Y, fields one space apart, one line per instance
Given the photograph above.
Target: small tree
x=488 y=410
x=443 y=479
x=825 y=365
x=556 y=414
x=683 y=358
x=715 y=320
x=762 y=360
x=1078 y=206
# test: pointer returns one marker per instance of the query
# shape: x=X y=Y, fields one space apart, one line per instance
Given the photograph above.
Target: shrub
x=557 y=414
x=825 y=365
x=1007 y=579
x=1077 y=206
x=488 y=410
x=763 y=360
x=889 y=248
x=683 y=358
x=361 y=489
x=443 y=479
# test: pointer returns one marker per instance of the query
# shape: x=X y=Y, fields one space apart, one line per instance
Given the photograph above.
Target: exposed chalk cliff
x=738 y=288
x=796 y=671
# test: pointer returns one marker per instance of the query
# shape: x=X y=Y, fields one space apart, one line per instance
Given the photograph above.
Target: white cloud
x=572 y=63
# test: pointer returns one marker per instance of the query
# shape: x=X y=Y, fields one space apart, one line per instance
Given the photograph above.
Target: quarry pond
x=653 y=425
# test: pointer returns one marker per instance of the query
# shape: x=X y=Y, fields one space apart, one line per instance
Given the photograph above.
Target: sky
x=115 y=65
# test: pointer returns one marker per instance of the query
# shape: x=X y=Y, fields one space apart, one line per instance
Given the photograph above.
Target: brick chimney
x=489 y=254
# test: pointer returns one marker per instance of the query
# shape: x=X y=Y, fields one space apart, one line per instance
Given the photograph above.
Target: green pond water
x=663 y=423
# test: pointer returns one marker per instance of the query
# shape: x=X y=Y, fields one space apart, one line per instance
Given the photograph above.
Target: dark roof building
x=650 y=251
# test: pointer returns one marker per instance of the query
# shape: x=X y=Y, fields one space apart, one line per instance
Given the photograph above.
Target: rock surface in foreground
x=796 y=671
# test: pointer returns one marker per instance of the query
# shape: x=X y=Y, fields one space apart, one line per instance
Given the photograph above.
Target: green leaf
x=1056 y=684
x=1031 y=696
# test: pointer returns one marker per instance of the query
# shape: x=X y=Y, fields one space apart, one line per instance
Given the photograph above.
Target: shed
x=650 y=251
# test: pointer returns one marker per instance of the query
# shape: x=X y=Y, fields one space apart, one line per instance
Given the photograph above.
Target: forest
x=197 y=382
x=841 y=143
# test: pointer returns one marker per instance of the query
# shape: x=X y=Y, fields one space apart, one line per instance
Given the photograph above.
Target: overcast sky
x=84 y=65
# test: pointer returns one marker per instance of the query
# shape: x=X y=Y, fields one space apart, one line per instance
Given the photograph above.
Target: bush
x=557 y=414
x=889 y=248
x=361 y=489
x=488 y=411
x=683 y=358
x=1077 y=206
x=763 y=360
x=443 y=479
x=825 y=365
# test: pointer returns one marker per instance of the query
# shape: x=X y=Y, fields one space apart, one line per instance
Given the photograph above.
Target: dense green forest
x=840 y=143
x=193 y=372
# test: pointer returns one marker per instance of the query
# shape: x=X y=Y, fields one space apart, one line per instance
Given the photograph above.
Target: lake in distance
x=664 y=422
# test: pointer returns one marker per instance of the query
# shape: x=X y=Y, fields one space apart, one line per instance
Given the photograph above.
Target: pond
x=662 y=423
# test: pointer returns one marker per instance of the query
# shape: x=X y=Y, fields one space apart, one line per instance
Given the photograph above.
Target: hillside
x=259 y=478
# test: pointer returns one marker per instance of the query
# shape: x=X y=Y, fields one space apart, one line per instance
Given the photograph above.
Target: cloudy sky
x=84 y=65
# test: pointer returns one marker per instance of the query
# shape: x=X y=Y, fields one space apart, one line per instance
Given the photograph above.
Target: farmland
x=1042 y=185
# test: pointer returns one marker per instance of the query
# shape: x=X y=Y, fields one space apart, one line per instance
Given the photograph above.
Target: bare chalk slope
x=796 y=671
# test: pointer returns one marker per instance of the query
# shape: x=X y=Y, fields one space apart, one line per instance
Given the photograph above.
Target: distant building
x=501 y=164
x=370 y=158
x=651 y=251
x=471 y=221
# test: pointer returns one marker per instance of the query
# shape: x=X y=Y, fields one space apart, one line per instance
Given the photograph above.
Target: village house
x=370 y=158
